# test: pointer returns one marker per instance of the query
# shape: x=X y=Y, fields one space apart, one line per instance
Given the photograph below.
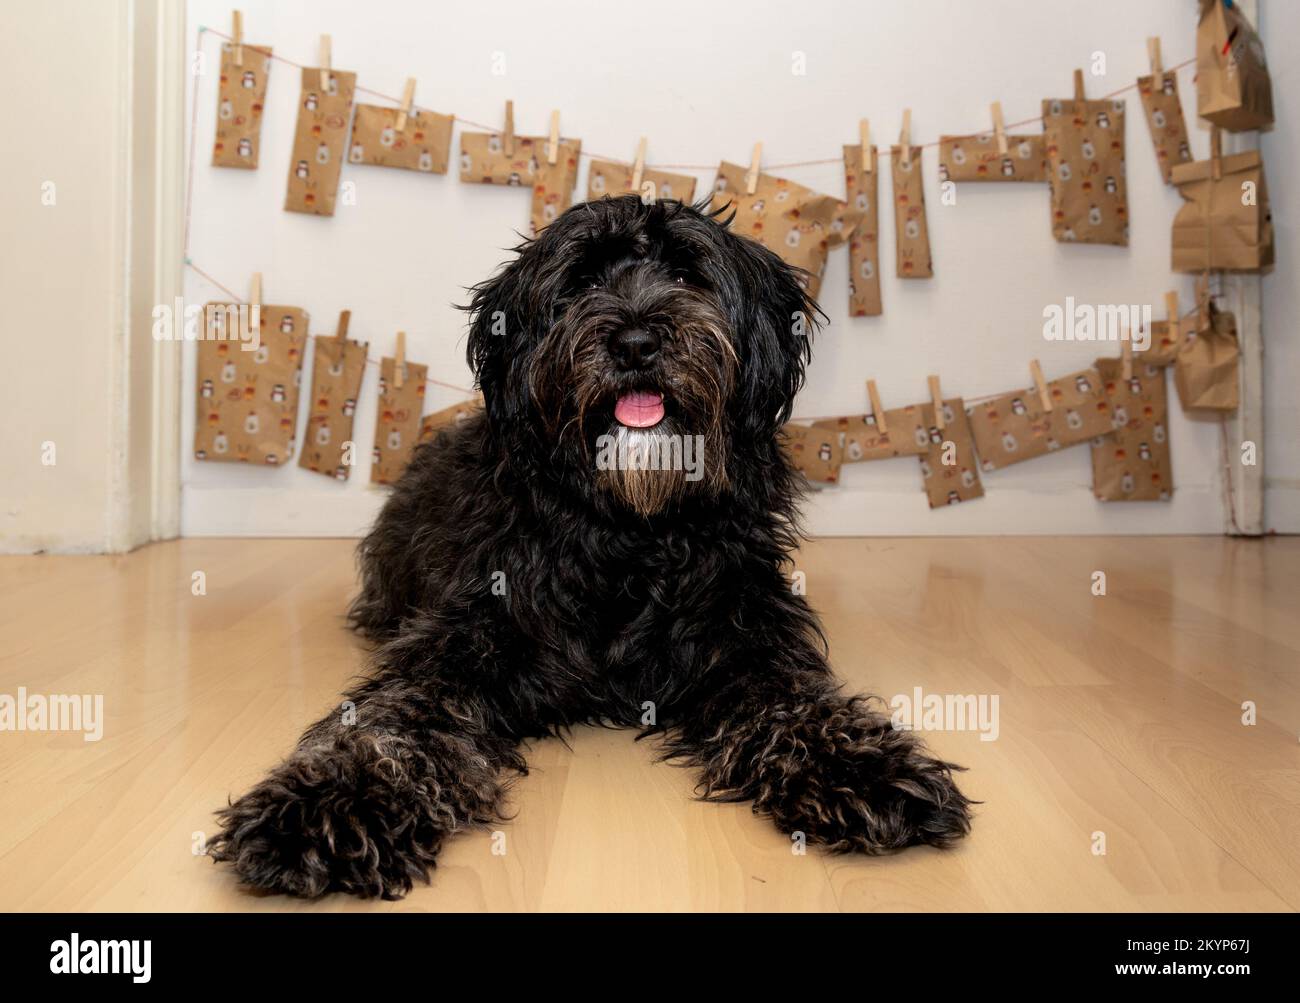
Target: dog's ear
x=493 y=315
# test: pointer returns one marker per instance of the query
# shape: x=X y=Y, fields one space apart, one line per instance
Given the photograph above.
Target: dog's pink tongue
x=639 y=409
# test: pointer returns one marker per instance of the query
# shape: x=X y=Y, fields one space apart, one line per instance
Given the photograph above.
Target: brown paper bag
x=814 y=452
x=604 y=177
x=483 y=160
x=1164 y=112
x=319 y=141
x=911 y=234
x=797 y=223
x=1233 y=89
x=1015 y=427
x=337 y=369
x=248 y=400
x=1206 y=371
x=861 y=438
x=976 y=158
x=397 y=425
x=240 y=99
x=424 y=145
x=958 y=481
x=1132 y=463
x=861 y=188
x=1215 y=231
x=1085 y=159
x=457 y=414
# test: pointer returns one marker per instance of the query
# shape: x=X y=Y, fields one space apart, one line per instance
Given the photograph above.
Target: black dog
x=532 y=571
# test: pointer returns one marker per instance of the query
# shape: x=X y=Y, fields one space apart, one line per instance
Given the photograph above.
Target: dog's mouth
x=639 y=409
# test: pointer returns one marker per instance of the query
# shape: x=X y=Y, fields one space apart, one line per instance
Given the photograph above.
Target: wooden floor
x=1119 y=715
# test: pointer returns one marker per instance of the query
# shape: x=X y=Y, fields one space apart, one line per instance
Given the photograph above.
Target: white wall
x=705 y=85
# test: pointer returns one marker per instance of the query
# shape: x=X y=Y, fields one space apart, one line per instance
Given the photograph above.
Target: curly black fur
x=513 y=590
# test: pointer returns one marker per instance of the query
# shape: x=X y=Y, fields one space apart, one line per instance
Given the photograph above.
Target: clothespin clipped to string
x=399 y=360
x=508 y=136
x=341 y=332
x=408 y=98
x=1157 y=67
x=237 y=37
x=905 y=137
x=1040 y=384
x=553 y=144
x=1080 y=96
x=751 y=176
x=325 y=63
x=1126 y=354
x=936 y=401
x=638 y=166
x=1171 y=311
x=864 y=141
x=1216 y=153
x=999 y=128
x=877 y=411
x=255 y=303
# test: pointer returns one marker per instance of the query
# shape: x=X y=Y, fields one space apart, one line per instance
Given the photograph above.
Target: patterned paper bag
x=1166 y=336
x=958 y=481
x=239 y=106
x=457 y=414
x=1164 y=113
x=337 y=369
x=861 y=438
x=1015 y=427
x=797 y=223
x=1206 y=371
x=976 y=158
x=861 y=188
x=815 y=452
x=483 y=160
x=1132 y=463
x=397 y=425
x=319 y=141
x=248 y=400
x=1219 y=228
x=1233 y=89
x=604 y=177
x=1085 y=157
x=424 y=145
x=911 y=234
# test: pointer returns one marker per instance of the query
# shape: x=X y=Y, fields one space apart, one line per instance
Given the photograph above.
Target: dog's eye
x=681 y=281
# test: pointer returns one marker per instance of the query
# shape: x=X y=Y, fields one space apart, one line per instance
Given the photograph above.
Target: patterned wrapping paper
x=1085 y=157
x=319 y=141
x=1165 y=339
x=1214 y=230
x=337 y=370
x=815 y=452
x=1014 y=427
x=795 y=222
x=1164 y=112
x=240 y=99
x=1233 y=89
x=424 y=145
x=247 y=402
x=604 y=177
x=959 y=481
x=1132 y=463
x=911 y=233
x=397 y=425
x=861 y=189
x=483 y=160
x=976 y=158
x=457 y=414
x=861 y=438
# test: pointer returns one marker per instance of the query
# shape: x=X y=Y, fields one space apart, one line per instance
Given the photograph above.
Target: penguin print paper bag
x=604 y=177
x=861 y=187
x=449 y=417
x=319 y=141
x=1085 y=159
x=1132 y=463
x=337 y=369
x=247 y=402
x=814 y=452
x=424 y=144
x=977 y=158
x=911 y=232
x=949 y=469
x=1164 y=112
x=484 y=161
x=240 y=99
x=397 y=425
x=861 y=438
x=1015 y=427
x=1233 y=89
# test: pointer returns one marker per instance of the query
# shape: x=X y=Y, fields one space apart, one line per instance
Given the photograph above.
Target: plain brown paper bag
x=1214 y=230
x=1206 y=371
x=1233 y=89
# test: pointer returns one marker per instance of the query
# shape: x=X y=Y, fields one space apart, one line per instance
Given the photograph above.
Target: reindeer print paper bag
x=1016 y=427
x=338 y=367
x=862 y=187
x=448 y=417
x=977 y=158
x=424 y=144
x=397 y=425
x=240 y=99
x=1132 y=463
x=1164 y=112
x=949 y=469
x=483 y=160
x=247 y=403
x=319 y=139
x=911 y=232
x=1085 y=159
x=815 y=452
x=604 y=177
x=861 y=438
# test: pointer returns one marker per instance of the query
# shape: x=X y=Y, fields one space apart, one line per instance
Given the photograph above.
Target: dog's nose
x=633 y=347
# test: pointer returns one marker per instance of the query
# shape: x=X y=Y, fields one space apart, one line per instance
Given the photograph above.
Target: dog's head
x=640 y=350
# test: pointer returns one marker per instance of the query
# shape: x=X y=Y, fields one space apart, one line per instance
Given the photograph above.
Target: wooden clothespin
x=864 y=141
x=876 y=409
x=325 y=63
x=508 y=137
x=1126 y=354
x=936 y=401
x=1157 y=67
x=345 y=318
x=999 y=129
x=905 y=137
x=1080 y=96
x=1040 y=385
x=237 y=37
x=751 y=178
x=553 y=144
x=638 y=165
x=408 y=98
x=1171 y=311
x=399 y=360
x=255 y=303
x=1216 y=153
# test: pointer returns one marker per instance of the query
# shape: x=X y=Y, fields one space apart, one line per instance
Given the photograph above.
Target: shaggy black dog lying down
x=531 y=571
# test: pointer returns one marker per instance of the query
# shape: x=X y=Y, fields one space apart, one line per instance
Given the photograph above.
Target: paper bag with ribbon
x=949 y=468
x=319 y=140
x=240 y=100
x=814 y=452
x=337 y=370
x=1085 y=158
x=397 y=425
x=861 y=188
x=1206 y=371
x=1233 y=89
x=1132 y=463
x=605 y=177
x=1226 y=223
x=1019 y=426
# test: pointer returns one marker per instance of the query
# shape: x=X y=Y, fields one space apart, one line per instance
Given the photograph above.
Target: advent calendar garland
x=248 y=405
